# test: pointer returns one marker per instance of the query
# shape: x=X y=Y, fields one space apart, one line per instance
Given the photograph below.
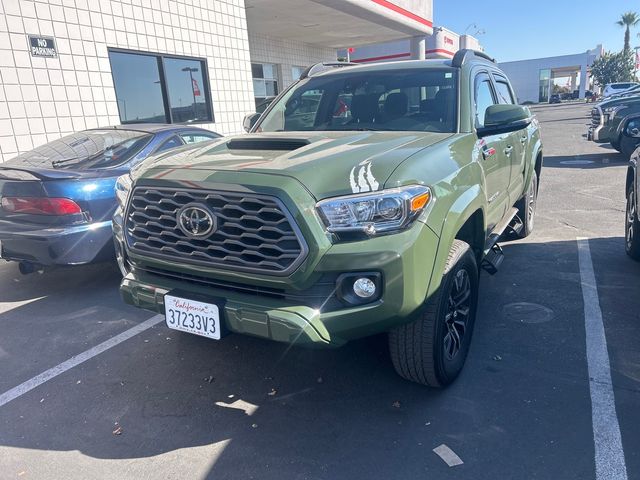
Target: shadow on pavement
x=586 y=161
x=59 y=281
x=521 y=408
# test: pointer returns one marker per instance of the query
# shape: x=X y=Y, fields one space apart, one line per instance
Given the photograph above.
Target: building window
x=296 y=72
x=160 y=89
x=265 y=81
x=545 y=82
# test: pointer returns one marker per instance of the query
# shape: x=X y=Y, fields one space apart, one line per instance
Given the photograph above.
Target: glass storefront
x=545 y=82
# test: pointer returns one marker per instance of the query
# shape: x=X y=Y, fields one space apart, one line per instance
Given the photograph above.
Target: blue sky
x=541 y=28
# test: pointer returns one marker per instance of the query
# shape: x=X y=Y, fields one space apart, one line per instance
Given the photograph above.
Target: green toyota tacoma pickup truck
x=365 y=200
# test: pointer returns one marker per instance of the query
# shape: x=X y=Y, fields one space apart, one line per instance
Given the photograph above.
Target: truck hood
x=326 y=163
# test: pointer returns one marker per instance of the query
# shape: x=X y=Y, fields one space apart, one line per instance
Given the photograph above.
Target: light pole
x=191 y=70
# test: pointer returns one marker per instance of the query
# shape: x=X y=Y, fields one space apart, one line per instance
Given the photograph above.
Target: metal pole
x=193 y=93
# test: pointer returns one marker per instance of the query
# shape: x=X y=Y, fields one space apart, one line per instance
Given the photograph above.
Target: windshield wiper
x=62 y=161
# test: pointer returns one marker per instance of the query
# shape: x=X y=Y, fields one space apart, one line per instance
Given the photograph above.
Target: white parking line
x=610 y=464
x=77 y=360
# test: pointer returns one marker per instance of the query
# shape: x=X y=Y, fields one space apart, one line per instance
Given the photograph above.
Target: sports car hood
x=326 y=163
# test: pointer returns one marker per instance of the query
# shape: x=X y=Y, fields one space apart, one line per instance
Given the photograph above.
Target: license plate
x=192 y=317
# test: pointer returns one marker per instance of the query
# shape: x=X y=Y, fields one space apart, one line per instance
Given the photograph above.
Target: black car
x=632 y=222
x=555 y=98
x=629 y=134
x=56 y=201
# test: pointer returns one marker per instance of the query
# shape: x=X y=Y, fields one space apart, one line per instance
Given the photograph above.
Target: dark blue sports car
x=56 y=201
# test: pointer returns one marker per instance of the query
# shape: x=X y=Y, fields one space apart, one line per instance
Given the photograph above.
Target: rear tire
x=432 y=349
x=632 y=226
x=527 y=207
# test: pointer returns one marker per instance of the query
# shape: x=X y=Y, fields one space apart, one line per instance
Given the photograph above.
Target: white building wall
x=42 y=99
x=525 y=74
x=287 y=54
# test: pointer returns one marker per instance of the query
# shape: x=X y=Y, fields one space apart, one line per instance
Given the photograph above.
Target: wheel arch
x=465 y=220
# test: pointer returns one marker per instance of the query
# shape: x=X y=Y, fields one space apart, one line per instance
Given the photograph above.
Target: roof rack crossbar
x=323 y=67
x=462 y=56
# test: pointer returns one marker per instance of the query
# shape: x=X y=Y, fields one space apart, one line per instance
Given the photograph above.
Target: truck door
x=519 y=140
x=494 y=153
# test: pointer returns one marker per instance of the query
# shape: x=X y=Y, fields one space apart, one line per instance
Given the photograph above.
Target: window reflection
x=147 y=84
x=137 y=82
x=187 y=95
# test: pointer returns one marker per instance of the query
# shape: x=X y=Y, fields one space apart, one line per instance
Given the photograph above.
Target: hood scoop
x=282 y=144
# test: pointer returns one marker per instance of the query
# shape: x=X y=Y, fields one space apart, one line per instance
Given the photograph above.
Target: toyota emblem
x=196 y=221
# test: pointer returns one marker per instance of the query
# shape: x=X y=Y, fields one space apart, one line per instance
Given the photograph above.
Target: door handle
x=508 y=150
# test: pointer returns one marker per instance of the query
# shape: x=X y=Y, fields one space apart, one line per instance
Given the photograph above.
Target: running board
x=493 y=254
x=499 y=230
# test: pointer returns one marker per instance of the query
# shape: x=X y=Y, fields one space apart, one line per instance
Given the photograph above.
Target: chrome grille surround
x=255 y=233
x=596 y=117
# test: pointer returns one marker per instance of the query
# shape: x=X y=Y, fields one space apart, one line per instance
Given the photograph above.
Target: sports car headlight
x=379 y=212
x=123 y=186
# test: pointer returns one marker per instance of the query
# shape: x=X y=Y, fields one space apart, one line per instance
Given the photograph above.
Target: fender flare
x=530 y=168
x=469 y=202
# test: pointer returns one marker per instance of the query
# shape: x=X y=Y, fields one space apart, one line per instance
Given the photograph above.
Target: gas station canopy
x=340 y=23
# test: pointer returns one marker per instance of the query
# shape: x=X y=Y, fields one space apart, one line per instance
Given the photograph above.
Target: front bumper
x=69 y=245
x=404 y=261
x=599 y=134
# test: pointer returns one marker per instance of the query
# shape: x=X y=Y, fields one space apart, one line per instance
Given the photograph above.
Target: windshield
x=421 y=100
x=85 y=150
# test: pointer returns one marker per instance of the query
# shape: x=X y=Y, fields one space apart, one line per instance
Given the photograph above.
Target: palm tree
x=628 y=20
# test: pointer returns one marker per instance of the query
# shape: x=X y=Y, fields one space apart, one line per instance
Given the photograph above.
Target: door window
x=484 y=97
x=505 y=96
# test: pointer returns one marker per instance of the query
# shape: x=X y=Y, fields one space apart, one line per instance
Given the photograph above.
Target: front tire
x=432 y=349
x=628 y=146
x=616 y=145
x=632 y=226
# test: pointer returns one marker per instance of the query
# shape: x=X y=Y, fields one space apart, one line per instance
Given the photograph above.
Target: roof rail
x=463 y=56
x=323 y=67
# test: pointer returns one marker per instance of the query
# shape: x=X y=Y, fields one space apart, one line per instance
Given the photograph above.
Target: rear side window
x=484 y=97
x=198 y=137
x=503 y=90
x=173 y=142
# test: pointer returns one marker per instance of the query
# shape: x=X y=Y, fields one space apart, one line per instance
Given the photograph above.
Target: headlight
x=611 y=111
x=123 y=186
x=385 y=211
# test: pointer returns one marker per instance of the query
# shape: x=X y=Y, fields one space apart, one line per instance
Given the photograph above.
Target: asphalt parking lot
x=166 y=405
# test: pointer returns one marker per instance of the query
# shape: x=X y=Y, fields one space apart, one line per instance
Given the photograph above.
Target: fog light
x=364 y=288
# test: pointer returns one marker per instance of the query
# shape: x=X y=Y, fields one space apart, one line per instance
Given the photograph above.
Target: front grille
x=254 y=233
x=595 y=117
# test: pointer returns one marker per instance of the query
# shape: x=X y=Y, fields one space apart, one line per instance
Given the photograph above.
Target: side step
x=492 y=260
x=493 y=255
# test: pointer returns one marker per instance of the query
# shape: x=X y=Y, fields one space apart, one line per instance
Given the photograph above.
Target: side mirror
x=504 y=119
x=633 y=128
x=249 y=121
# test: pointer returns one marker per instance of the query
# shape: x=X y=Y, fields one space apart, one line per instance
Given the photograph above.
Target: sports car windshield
x=422 y=100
